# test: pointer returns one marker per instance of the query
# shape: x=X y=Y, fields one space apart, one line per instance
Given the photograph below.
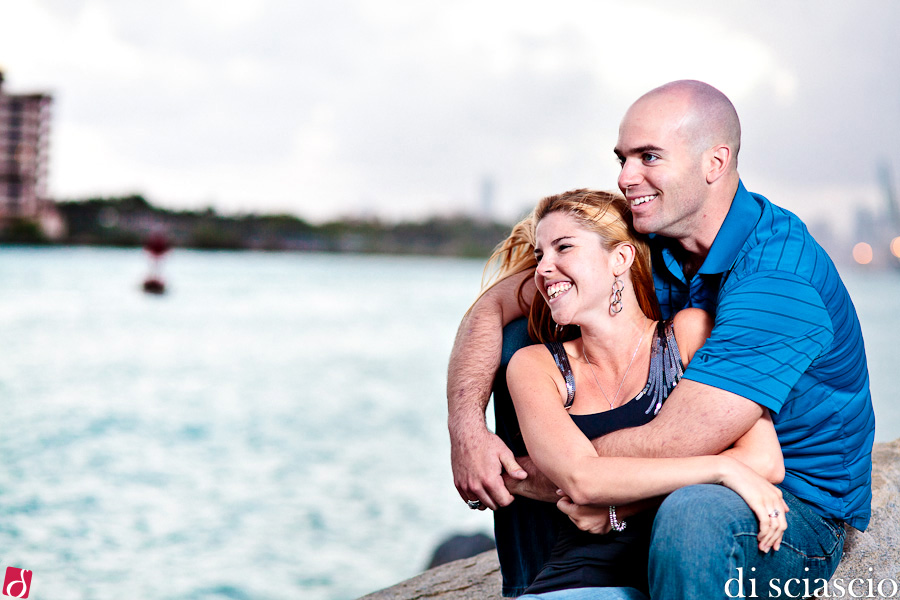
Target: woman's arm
x=760 y=450
x=596 y=482
x=595 y=519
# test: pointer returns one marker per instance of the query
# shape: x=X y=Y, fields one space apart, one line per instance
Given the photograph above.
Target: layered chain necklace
x=624 y=377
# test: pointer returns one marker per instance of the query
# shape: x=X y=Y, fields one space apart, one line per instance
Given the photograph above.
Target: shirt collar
x=740 y=221
x=742 y=217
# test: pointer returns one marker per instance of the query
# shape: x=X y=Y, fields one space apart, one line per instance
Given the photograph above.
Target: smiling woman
x=612 y=236
x=596 y=312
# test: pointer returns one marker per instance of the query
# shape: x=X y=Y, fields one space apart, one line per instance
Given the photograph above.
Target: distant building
x=24 y=157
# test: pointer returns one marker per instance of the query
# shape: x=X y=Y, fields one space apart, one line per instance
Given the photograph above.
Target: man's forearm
x=477 y=350
x=645 y=441
x=696 y=420
x=473 y=364
x=477 y=456
x=536 y=486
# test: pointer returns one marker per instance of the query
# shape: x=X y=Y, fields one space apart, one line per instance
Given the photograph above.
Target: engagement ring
x=474 y=504
x=773 y=514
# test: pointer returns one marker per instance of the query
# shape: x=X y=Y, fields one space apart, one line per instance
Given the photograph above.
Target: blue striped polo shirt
x=786 y=336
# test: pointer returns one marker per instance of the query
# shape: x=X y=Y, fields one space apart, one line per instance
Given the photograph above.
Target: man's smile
x=643 y=199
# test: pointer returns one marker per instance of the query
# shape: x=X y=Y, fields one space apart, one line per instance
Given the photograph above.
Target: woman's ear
x=622 y=258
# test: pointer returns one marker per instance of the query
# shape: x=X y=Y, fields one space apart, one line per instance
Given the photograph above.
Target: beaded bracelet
x=614 y=522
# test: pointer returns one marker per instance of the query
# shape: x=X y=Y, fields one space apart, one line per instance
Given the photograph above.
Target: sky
x=401 y=109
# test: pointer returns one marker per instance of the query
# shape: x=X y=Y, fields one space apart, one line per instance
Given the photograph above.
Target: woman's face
x=574 y=271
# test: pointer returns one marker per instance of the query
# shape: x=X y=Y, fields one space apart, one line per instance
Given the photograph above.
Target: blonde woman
x=607 y=363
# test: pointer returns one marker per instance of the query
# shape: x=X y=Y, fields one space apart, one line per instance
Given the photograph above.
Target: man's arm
x=479 y=457
x=756 y=353
x=696 y=420
x=535 y=485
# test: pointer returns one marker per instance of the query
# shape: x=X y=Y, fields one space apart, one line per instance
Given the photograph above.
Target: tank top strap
x=666 y=368
x=562 y=361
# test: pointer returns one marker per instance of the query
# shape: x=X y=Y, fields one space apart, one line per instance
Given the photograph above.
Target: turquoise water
x=272 y=428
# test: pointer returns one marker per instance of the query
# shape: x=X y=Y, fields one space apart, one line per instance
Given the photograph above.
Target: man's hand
x=535 y=486
x=479 y=458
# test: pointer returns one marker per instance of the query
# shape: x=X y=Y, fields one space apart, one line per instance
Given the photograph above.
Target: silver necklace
x=624 y=377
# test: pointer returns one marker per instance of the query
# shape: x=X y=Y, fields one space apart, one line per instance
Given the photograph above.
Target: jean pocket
x=836 y=526
x=831 y=537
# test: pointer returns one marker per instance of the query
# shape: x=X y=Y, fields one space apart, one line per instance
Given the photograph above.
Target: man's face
x=662 y=174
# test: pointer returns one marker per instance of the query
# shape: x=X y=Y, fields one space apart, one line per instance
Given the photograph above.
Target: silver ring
x=474 y=504
x=774 y=514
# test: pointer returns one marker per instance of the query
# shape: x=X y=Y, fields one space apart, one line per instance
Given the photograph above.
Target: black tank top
x=581 y=559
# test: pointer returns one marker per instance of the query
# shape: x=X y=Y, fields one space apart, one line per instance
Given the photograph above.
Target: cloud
x=403 y=108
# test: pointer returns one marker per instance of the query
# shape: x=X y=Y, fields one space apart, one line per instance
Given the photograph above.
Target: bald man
x=786 y=338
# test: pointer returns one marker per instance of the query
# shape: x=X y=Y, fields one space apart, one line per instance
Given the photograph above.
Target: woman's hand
x=764 y=499
x=593 y=519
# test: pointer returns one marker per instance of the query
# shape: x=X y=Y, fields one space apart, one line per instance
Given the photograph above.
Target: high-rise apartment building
x=24 y=153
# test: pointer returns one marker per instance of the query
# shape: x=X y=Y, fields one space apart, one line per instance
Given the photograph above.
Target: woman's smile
x=557 y=289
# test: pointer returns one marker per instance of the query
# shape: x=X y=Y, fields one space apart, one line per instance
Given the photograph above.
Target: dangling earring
x=615 y=305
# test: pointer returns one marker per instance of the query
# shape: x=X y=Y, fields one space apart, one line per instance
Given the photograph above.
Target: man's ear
x=717 y=162
x=622 y=258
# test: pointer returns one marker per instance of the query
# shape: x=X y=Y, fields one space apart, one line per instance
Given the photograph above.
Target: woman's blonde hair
x=605 y=213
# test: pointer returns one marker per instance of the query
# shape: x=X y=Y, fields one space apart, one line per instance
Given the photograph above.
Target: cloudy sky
x=403 y=108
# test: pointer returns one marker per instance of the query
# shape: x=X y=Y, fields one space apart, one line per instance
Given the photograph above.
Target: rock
x=476 y=578
x=874 y=554
x=461 y=546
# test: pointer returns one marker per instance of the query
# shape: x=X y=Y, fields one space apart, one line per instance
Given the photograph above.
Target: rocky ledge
x=873 y=556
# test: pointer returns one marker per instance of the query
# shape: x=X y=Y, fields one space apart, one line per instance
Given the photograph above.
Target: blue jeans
x=704 y=546
x=593 y=593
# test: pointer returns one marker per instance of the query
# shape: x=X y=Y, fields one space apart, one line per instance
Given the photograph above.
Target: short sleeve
x=770 y=327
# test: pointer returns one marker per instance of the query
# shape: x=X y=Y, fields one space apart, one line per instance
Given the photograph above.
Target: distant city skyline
x=403 y=109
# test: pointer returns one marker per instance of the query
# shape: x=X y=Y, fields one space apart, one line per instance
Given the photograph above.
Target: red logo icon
x=17 y=582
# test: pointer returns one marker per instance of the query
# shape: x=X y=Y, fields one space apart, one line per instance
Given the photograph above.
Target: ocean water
x=274 y=427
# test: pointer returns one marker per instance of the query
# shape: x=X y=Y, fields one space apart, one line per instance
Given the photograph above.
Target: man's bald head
x=701 y=113
x=678 y=148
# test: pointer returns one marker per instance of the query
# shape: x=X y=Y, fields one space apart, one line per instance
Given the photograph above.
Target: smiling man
x=786 y=338
x=680 y=173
